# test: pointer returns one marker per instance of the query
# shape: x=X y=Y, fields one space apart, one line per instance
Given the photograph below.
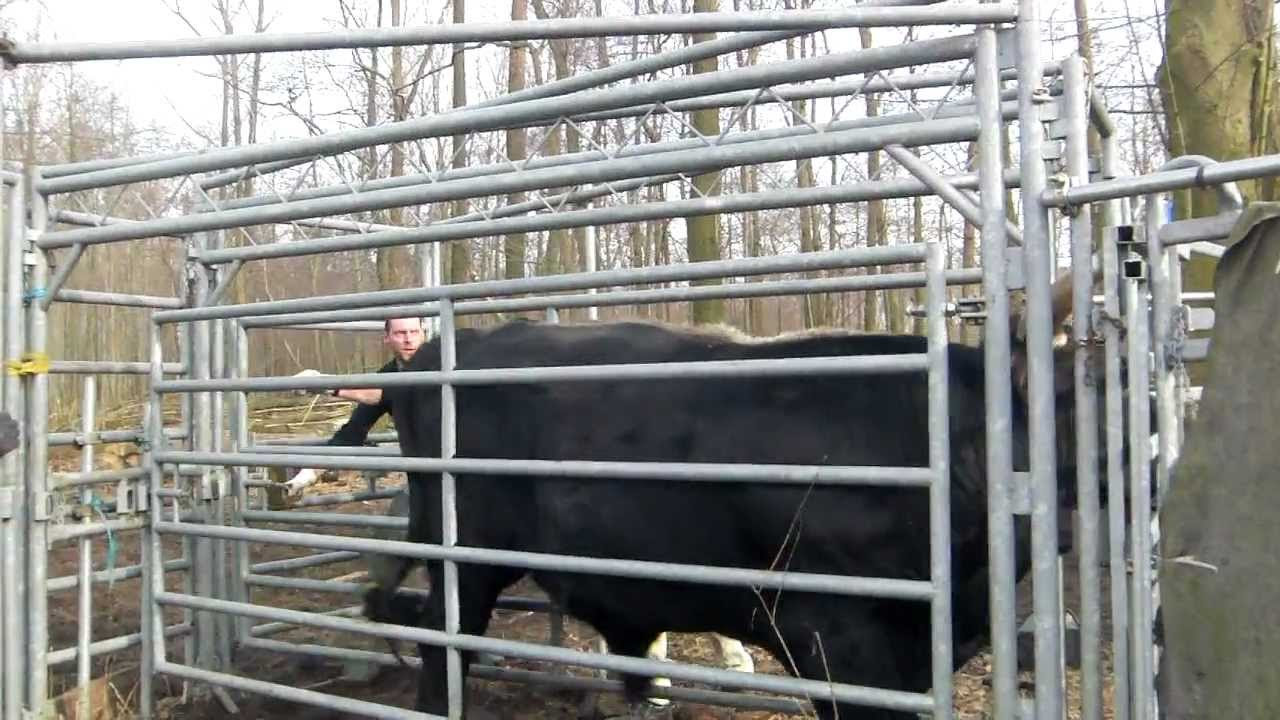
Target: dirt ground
x=115 y=612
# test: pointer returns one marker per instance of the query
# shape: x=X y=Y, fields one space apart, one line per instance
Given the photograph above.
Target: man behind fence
x=403 y=336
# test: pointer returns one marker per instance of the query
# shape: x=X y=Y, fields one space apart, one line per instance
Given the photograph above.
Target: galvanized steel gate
x=192 y=486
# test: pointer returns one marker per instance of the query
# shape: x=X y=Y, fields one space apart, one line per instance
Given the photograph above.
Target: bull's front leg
x=433 y=679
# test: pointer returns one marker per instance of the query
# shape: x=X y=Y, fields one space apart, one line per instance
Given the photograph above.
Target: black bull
x=833 y=420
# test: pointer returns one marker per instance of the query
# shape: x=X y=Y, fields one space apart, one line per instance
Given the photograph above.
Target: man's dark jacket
x=362 y=419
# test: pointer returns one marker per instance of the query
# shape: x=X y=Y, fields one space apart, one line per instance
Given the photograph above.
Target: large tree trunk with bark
x=1215 y=83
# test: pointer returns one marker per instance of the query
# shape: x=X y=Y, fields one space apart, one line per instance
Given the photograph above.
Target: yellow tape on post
x=29 y=364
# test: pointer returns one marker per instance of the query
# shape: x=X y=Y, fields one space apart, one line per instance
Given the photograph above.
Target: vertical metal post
x=556 y=620
x=204 y=566
x=222 y=479
x=7 y=481
x=13 y=467
x=1160 y=263
x=1140 y=489
x=999 y=389
x=449 y=503
x=1116 y=540
x=589 y=265
x=1075 y=94
x=5 y=327
x=84 y=629
x=1182 y=382
x=429 y=273
x=183 y=333
x=940 y=488
x=37 y=391
x=153 y=646
x=1047 y=605
x=240 y=369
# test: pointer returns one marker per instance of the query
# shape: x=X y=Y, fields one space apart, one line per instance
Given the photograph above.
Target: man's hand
x=303 y=392
x=299 y=482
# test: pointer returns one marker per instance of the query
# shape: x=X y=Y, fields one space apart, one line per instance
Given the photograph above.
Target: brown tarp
x=1220 y=555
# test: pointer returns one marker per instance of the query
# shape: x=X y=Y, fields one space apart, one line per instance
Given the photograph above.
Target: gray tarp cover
x=1222 y=629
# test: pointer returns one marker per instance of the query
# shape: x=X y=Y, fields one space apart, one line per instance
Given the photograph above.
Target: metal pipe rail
x=22 y=53
x=68 y=582
x=307 y=561
x=1160 y=181
x=835 y=365
x=373 y=437
x=584 y=156
x=275 y=628
x=503 y=116
x=380 y=451
x=101 y=367
x=62 y=533
x=347 y=497
x=111 y=645
x=767 y=288
x=63 y=481
x=810 y=91
x=690 y=161
x=567 y=219
x=688 y=472
x=797 y=262
x=285 y=692
x=546 y=679
x=917 y=590
x=1182 y=232
x=107 y=437
x=581 y=81
x=838 y=692
x=92 y=297
x=293 y=517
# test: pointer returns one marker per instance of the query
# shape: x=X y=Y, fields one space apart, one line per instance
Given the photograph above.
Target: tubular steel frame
x=215 y=482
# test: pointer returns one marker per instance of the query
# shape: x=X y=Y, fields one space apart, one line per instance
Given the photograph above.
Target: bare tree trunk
x=704 y=231
x=395 y=264
x=875 y=209
x=561 y=256
x=517 y=59
x=460 y=250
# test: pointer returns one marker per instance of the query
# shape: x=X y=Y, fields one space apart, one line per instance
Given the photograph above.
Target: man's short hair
x=386 y=324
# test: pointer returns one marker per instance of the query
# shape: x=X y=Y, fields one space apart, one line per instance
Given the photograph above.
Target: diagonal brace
x=948 y=192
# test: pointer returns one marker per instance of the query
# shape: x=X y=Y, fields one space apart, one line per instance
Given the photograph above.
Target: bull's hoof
x=388 y=606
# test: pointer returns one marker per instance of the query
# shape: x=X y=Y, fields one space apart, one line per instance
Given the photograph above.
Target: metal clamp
x=42 y=507
x=127 y=494
x=7 y=504
x=971 y=310
x=919 y=311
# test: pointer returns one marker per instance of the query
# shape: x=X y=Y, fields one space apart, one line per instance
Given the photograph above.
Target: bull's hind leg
x=842 y=645
x=636 y=688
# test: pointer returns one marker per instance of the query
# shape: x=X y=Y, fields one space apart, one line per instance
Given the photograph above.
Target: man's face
x=404 y=336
